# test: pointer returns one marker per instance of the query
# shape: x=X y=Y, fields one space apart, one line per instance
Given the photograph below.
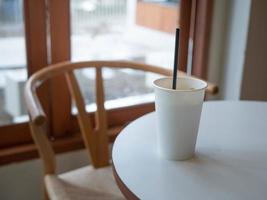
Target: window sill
x=117 y=119
x=29 y=151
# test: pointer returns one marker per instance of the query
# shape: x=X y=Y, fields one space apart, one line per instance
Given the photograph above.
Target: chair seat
x=84 y=183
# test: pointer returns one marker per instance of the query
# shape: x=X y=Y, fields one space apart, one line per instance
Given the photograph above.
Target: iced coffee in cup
x=178 y=114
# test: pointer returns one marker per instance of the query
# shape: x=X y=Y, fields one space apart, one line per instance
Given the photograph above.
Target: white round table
x=230 y=161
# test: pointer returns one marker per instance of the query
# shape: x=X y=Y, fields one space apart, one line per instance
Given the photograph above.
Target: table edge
x=128 y=194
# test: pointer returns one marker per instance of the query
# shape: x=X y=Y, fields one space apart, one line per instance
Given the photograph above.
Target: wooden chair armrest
x=211 y=89
x=34 y=107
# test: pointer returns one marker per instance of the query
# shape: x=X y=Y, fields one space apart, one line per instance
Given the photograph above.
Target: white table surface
x=230 y=161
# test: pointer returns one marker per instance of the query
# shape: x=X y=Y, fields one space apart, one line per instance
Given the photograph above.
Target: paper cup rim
x=181 y=90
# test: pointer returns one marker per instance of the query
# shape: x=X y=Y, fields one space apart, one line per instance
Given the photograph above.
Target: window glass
x=108 y=30
x=13 y=72
x=122 y=87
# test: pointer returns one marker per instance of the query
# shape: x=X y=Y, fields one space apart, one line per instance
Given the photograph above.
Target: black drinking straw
x=176 y=52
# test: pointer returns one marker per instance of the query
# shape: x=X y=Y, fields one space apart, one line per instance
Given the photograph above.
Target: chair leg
x=45 y=194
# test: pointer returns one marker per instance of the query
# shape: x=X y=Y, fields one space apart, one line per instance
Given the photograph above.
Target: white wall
x=23 y=181
x=217 y=43
x=228 y=46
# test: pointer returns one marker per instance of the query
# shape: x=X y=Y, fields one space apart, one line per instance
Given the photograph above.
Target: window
x=13 y=73
x=107 y=30
x=22 y=51
x=59 y=30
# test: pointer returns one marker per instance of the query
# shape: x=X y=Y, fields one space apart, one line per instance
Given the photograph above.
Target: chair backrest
x=95 y=139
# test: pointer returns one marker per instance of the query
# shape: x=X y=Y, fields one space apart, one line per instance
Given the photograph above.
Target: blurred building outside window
x=100 y=30
x=106 y=30
x=13 y=72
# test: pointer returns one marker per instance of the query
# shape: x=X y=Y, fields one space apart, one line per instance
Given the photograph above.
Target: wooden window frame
x=202 y=15
x=35 y=30
x=72 y=140
x=15 y=140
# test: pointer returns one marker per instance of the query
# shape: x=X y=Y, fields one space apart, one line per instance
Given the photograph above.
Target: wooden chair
x=91 y=182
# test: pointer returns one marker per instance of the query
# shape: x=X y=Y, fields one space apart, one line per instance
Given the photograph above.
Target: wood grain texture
x=36 y=56
x=85 y=183
x=37 y=52
x=95 y=140
x=44 y=147
x=14 y=134
x=59 y=25
x=84 y=120
x=35 y=30
x=27 y=151
x=33 y=102
x=102 y=151
x=203 y=16
x=184 y=21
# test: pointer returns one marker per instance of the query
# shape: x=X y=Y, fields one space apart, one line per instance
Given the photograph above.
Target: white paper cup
x=178 y=115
